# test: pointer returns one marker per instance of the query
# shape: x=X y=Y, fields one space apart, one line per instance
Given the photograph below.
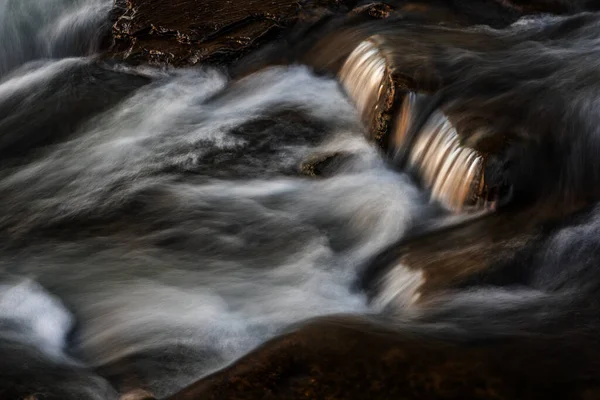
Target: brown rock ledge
x=187 y=32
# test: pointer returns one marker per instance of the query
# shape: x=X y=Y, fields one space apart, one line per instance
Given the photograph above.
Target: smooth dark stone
x=353 y=358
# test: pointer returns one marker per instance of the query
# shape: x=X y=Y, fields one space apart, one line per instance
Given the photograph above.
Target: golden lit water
x=452 y=173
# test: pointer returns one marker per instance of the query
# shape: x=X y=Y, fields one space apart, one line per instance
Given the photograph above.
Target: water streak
x=33 y=29
x=176 y=222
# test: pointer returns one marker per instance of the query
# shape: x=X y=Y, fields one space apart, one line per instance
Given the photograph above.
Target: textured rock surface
x=180 y=32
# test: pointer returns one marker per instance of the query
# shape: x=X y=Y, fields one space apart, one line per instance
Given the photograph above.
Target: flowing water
x=453 y=173
x=32 y=29
x=155 y=225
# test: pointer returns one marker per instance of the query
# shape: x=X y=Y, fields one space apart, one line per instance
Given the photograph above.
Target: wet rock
x=353 y=359
x=187 y=32
x=324 y=165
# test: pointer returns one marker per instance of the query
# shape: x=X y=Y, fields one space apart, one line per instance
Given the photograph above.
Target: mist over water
x=155 y=223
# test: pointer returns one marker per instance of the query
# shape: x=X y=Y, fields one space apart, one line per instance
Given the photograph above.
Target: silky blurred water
x=157 y=221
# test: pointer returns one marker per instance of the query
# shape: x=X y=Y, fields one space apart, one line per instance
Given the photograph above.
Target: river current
x=155 y=223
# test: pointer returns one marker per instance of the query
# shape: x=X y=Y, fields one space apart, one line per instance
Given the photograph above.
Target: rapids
x=155 y=225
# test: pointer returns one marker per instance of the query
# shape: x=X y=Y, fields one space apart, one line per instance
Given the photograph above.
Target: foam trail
x=163 y=216
x=219 y=243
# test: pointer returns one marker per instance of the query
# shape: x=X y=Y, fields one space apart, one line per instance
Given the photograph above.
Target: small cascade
x=367 y=78
x=362 y=77
x=453 y=174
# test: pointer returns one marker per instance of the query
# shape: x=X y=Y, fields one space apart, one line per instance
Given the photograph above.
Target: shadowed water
x=155 y=225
